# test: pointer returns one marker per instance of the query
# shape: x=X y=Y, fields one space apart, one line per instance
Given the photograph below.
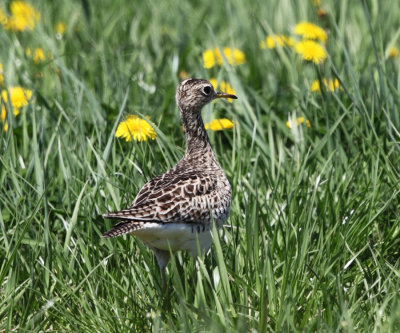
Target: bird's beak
x=224 y=95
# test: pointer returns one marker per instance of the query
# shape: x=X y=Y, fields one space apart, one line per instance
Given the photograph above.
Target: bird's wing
x=172 y=197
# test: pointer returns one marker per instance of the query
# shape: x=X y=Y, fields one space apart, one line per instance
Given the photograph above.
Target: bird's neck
x=197 y=141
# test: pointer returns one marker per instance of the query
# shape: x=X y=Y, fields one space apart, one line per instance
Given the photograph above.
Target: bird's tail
x=121 y=228
x=117 y=215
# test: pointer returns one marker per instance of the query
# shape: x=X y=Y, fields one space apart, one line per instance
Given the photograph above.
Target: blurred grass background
x=312 y=243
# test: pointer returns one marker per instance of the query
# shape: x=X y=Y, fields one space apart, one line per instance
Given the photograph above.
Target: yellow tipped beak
x=224 y=95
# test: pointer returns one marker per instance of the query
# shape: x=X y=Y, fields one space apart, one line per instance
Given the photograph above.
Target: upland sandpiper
x=175 y=210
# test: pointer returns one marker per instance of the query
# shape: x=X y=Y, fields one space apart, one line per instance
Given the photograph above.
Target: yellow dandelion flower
x=234 y=56
x=60 y=28
x=1 y=74
x=219 y=124
x=297 y=122
x=227 y=88
x=311 y=51
x=214 y=83
x=330 y=85
x=310 y=31
x=273 y=41
x=289 y=41
x=394 y=52
x=135 y=128
x=38 y=55
x=315 y=86
x=214 y=57
x=19 y=97
x=218 y=57
x=224 y=87
x=3 y=113
x=208 y=58
x=23 y=16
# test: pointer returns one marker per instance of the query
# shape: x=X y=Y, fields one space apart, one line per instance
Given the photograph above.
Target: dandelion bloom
x=23 y=17
x=214 y=57
x=219 y=124
x=208 y=58
x=234 y=56
x=3 y=113
x=394 y=52
x=38 y=55
x=19 y=97
x=297 y=122
x=224 y=87
x=135 y=128
x=60 y=28
x=273 y=41
x=330 y=85
x=289 y=41
x=311 y=51
x=310 y=31
x=1 y=74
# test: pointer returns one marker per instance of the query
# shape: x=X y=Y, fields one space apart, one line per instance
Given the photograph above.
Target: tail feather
x=129 y=215
x=121 y=228
x=114 y=215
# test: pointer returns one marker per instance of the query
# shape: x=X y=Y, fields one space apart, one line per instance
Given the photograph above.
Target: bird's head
x=193 y=94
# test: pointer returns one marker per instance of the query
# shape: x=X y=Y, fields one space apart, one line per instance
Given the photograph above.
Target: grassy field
x=312 y=242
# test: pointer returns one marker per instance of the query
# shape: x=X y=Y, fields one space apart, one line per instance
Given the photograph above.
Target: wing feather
x=185 y=197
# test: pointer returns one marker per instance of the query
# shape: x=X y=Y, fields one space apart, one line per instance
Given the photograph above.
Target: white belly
x=175 y=236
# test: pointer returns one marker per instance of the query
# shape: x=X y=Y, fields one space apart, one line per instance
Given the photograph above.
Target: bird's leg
x=162 y=259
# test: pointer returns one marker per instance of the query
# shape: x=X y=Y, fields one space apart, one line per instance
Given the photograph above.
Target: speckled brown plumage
x=174 y=210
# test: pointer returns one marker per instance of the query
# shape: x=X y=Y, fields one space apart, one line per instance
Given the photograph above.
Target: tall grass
x=312 y=243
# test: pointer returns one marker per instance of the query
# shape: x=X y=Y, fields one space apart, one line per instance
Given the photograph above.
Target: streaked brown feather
x=184 y=198
x=195 y=190
x=121 y=228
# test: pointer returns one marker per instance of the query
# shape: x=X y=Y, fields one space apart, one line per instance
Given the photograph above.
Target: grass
x=312 y=243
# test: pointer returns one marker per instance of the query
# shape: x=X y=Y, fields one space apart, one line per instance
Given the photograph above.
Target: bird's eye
x=207 y=90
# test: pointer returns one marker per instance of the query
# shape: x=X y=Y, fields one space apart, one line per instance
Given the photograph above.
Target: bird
x=175 y=210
